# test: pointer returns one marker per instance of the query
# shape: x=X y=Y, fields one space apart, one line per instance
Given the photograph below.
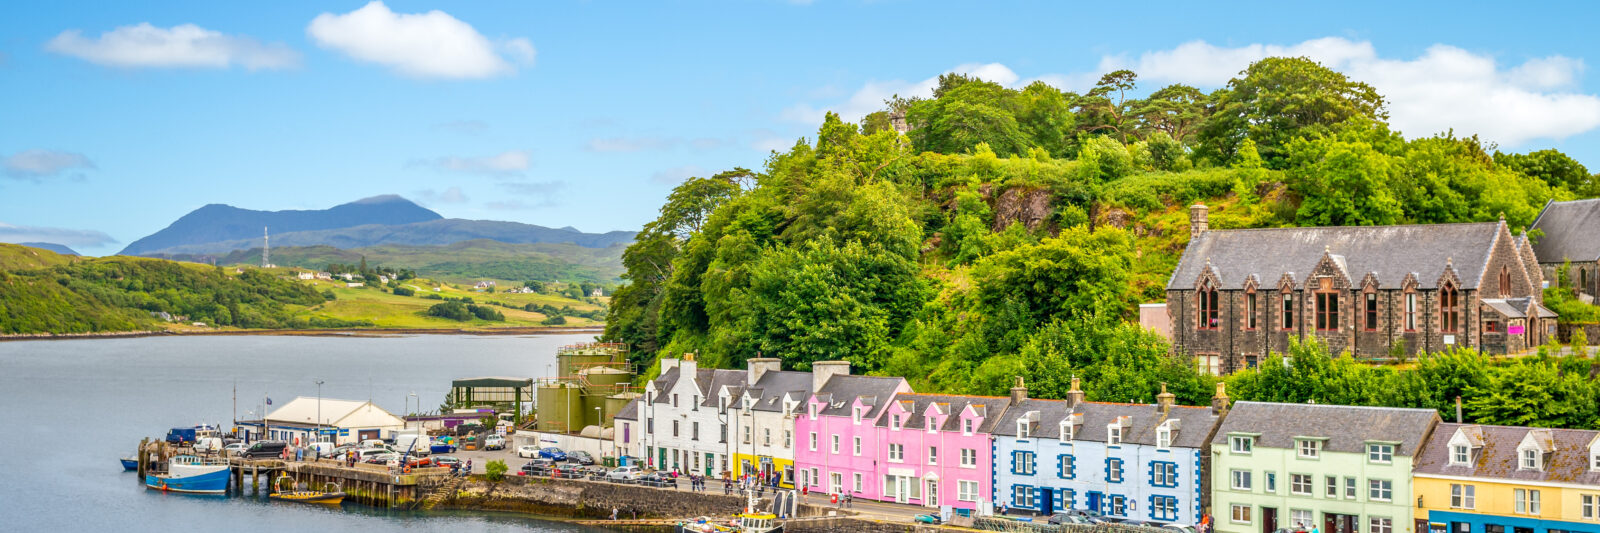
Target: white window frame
x=1529 y=459
x=855 y=446
x=894 y=422
x=855 y=482
x=1308 y=449
x=1240 y=445
x=1022 y=428
x=1330 y=486
x=897 y=453
x=1025 y=463
x=1588 y=505
x=1378 y=524
x=1114 y=470
x=1350 y=490
x=1163 y=437
x=969 y=458
x=967 y=490
x=836 y=443
x=1300 y=484
x=1463 y=496
x=1114 y=434
x=1300 y=517
x=1460 y=454
x=933 y=455
x=1239 y=514
x=967 y=427
x=1380 y=453
x=1239 y=480
x=1380 y=490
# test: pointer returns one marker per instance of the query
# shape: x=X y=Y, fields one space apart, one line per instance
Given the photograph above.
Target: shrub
x=404 y=291
x=432 y=296
x=496 y=470
x=554 y=320
x=451 y=310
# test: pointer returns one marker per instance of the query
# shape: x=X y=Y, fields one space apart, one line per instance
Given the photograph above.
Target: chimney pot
x=1219 y=402
x=1074 y=396
x=1165 y=400
x=1019 y=392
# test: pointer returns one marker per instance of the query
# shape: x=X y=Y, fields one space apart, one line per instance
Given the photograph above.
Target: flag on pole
x=269 y=400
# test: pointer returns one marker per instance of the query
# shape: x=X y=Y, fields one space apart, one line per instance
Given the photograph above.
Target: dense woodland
x=1013 y=232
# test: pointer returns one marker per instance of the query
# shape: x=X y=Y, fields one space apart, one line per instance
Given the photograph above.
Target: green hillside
x=19 y=257
x=1012 y=232
x=460 y=262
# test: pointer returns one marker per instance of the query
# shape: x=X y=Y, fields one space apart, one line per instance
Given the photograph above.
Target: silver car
x=625 y=474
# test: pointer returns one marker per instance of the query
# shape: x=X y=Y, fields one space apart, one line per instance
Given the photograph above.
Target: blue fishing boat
x=129 y=464
x=188 y=473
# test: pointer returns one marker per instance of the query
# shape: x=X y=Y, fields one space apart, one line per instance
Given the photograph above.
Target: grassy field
x=460 y=262
x=386 y=310
x=19 y=257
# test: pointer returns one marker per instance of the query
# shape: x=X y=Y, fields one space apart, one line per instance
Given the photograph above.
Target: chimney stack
x=1074 y=396
x=687 y=366
x=1458 y=409
x=759 y=366
x=1197 y=220
x=822 y=370
x=1164 y=400
x=1019 y=392
x=1219 y=403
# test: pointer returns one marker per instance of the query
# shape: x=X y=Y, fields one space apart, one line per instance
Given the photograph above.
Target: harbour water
x=71 y=408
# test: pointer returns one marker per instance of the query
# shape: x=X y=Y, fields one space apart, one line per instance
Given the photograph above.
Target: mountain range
x=380 y=220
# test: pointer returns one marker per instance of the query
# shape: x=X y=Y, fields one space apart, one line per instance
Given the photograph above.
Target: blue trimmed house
x=1133 y=461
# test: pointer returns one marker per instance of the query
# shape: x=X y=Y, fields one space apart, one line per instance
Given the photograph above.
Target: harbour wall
x=571 y=498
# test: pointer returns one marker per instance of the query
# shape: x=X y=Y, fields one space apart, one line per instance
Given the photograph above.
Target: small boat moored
x=331 y=495
x=192 y=474
x=129 y=464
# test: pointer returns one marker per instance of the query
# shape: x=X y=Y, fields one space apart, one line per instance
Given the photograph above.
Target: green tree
x=1279 y=99
x=1554 y=168
x=1342 y=183
x=495 y=470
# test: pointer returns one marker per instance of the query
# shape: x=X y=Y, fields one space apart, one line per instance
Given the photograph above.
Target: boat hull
x=196 y=480
x=324 y=498
x=129 y=465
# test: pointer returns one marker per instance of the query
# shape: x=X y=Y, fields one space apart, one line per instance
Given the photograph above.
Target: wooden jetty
x=369 y=484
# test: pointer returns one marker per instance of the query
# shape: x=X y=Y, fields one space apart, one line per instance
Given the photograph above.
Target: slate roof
x=629 y=411
x=1389 y=251
x=708 y=380
x=991 y=408
x=841 y=390
x=773 y=385
x=1571 y=231
x=1497 y=458
x=1346 y=428
x=1194 y=422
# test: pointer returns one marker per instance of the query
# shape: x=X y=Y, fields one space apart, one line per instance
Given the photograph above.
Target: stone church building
x=1238 y=295
x=1571 y=235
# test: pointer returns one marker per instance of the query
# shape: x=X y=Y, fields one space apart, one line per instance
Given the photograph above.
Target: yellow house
x=1502 y=479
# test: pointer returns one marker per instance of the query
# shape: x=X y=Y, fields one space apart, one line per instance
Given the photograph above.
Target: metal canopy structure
x=502 y=392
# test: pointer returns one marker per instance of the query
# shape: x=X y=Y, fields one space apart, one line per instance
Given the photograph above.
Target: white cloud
x=184 y=45
x=35 y=165
x=452 y=195
x=507 y=163
x=421 y=45
x=1445 y=88
x=676 y=175
x=70 y=237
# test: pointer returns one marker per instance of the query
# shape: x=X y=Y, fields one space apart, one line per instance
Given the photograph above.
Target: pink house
x=838 y=441
x=936 y=449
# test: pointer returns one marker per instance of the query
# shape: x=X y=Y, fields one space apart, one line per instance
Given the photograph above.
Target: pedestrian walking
x=613 y=514
x=849 y=500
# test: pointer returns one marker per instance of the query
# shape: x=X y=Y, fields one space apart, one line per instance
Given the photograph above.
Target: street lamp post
x=599 y=418
x=319 y=412
x=408 y=406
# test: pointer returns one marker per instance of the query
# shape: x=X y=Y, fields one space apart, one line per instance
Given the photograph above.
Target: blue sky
x=118 y=117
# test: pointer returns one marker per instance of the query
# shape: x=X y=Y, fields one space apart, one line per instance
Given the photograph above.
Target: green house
x=1339 y=469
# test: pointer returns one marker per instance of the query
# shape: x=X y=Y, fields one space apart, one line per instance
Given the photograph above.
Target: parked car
x=373 y=443
x=412 y=444
x=380 y=457
x=537 y=467
x=527 y=452
x=927 y=519
x=1179 y=528
x=553 y=453
x=446 y=461
x=1143 y=523
x=594 y=472
x=657 y=479
x=1289 y=530
x=581 y=457
x=494 y=442
x=235 y=448
x=420 y=462
x=265 y=449
x=1068 y=518
x=624 y=474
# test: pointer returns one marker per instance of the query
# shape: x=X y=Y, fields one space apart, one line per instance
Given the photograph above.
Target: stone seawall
x=569 y=498
x=1590 y=331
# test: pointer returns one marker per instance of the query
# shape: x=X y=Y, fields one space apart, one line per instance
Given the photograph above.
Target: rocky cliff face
x=1031 y=207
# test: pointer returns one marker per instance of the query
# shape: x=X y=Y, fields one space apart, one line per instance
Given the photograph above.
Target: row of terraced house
x=1249 y=466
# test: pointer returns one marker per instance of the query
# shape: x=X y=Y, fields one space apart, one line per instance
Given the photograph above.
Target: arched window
x=1505 y=282
x=1411 y=309
x=1250 y=309
x=1288 y=308
x=1449 y=308
x=1327 y=307
x=1370 y=312
x=1208 y=307
x=1583 y=280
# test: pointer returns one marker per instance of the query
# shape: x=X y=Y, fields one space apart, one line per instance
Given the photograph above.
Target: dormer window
x=1240 y=444
x=1309 y=449
x=1114 y=434
x=1530 y=459
x=1380 y=453
x=966 y=427
x=894 y=422
x=1022 y=428
x=1460 y=455
x=1594 y=460
x=1066 y=429
x=855 y=415
x=1163 y=437
x=811 y=410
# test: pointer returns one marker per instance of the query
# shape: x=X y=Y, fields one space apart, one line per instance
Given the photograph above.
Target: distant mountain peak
x=222 y=222
x=57 y=248
x=382 y=199
x=569 y=228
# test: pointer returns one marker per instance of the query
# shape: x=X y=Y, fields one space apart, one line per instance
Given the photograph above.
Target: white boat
x=193 y=474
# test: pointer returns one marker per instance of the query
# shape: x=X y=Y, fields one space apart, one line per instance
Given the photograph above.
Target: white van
x=412 y=443
x=208 y=445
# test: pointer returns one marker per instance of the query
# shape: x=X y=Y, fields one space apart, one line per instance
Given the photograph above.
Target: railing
x=1041 y=525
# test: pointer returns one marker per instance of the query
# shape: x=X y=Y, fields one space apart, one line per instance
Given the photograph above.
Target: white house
x=763 y=429
x=685 y=427
x=305 y=275
x=324 y=276
x=342 y=421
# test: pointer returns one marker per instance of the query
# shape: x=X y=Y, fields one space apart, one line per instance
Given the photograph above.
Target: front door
x=902 y=488
x=661 y=462
x=932 y=493
x=1094 y=503
x=711 y=461
x=1047 y=501
x=1269 y=520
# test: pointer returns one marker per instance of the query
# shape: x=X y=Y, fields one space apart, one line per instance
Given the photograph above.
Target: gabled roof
x=304 y=410
x=774 y=385
x=1390 y=252
x=952 y=406
x=1195 y=422
x=1571 y=231
x=629 y=411
x=1344 y=428
x=842 y=390
x=712 y=380
x=1497 y=458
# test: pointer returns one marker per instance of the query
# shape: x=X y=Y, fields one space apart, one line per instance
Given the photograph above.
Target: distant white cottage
x=306 y=275
x=342 y=421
